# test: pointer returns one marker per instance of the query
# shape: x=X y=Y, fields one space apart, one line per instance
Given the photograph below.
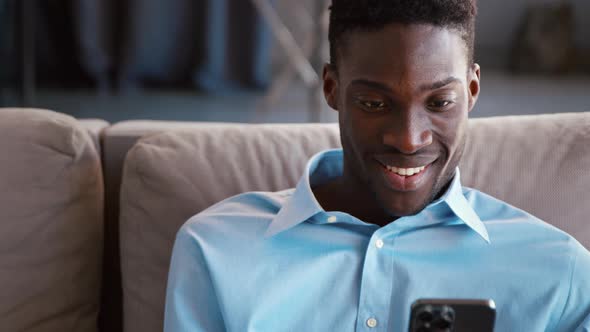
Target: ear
x=330 y=78
x=473 y=85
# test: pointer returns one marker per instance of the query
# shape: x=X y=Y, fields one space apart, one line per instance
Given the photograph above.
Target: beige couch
x=68 y=261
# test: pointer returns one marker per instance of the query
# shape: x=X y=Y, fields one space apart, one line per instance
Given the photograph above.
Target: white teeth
x=405 y=171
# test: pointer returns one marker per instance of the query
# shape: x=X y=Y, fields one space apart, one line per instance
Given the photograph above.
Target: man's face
x=403 y=94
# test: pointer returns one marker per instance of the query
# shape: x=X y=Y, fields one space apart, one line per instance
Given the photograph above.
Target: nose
x=408 y=132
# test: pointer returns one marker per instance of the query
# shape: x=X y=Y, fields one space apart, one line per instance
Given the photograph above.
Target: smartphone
x=452 y=315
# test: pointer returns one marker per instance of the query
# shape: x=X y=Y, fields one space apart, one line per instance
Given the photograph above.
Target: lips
x=407 y=166
x=408 y=178
x=405 y=171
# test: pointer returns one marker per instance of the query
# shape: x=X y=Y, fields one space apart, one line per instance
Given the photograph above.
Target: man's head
x=403 y=80
x=347 y=16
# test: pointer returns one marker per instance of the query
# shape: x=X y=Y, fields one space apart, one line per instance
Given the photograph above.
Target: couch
x=89 y=210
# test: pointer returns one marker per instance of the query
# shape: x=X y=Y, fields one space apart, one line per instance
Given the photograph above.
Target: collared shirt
x=275 y=262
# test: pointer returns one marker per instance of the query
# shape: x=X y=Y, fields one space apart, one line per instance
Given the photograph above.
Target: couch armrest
x=51 y=223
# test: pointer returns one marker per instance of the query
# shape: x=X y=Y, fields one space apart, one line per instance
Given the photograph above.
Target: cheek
x=358 y=138
x=459 y=130
x=450 y=127
x=452 y=134
x=363 y=132
x=351 y=135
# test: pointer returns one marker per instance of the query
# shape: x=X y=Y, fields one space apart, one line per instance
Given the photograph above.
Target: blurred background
x=257 y=60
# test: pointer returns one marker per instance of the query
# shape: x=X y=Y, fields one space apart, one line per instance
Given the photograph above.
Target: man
x=372 y=228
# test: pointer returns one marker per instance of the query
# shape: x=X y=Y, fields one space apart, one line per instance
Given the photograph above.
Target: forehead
x=414 y=52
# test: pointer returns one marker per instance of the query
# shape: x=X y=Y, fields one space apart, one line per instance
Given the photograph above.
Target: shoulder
x=497 y=214
x=523 y=236
x=243 y=213
x=575 y=315
x=536 y=244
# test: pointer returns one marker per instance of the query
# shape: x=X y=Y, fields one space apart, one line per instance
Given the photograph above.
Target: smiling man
x=373 y=227
x=403 y=92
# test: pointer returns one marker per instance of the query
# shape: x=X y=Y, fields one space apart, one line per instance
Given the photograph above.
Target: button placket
x=371 y=322
x=376 y=285
x=332 y=219
x=379 y=244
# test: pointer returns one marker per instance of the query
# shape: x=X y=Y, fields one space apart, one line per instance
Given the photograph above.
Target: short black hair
x=371 y=15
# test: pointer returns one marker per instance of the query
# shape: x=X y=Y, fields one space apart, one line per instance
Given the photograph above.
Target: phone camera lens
x=446 y=318
x=442 y=324
x=426 y=315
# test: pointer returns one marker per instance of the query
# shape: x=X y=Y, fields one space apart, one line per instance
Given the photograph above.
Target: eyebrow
x=425 y=87
x=439 y=84
x=371 y=84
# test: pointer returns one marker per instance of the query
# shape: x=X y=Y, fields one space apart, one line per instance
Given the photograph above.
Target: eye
x=439 y=104
x=372 y=105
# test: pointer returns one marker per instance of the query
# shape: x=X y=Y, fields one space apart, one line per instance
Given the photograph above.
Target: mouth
x=405 y=178
x=407 y=172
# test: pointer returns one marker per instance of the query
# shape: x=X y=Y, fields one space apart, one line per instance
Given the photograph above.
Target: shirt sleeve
x=576 y=314
x=191 y=302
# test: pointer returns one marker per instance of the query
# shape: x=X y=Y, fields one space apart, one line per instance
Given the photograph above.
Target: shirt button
x=332 y=219
x=379 y=244
x=371 y=322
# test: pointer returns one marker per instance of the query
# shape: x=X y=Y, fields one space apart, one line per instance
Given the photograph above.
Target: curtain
x=7 y=42
x=213 y=45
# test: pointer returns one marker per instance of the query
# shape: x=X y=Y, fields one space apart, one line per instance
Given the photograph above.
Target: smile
x=405 y=171
x=405 y=179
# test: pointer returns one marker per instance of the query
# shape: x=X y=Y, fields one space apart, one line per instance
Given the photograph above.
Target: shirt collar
x=303 y=204
x=328 y=164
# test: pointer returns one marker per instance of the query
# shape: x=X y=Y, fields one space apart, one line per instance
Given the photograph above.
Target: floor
x=501 y=94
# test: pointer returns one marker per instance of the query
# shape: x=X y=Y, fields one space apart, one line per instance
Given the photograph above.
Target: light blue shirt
x=274 y=262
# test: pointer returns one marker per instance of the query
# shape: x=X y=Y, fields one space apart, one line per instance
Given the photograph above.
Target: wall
x=496 y=24
x=498 y=20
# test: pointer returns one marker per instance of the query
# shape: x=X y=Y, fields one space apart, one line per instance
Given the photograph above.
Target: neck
x=345 y=195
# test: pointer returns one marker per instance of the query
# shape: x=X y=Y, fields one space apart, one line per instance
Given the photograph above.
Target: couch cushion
x=170 y=177
x=539 y=163
x=94 y=128
x=51 y=201
x=116 y=141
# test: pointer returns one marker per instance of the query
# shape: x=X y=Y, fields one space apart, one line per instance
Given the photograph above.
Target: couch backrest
x=116 y=141
x=51 y=218
x=538 y=163
x=168 y=178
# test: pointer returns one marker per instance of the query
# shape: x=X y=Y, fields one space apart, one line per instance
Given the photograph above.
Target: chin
x=404 y=204
x=407 y=203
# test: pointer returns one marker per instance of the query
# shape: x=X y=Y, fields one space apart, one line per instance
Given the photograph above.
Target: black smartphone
x=452 y=315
